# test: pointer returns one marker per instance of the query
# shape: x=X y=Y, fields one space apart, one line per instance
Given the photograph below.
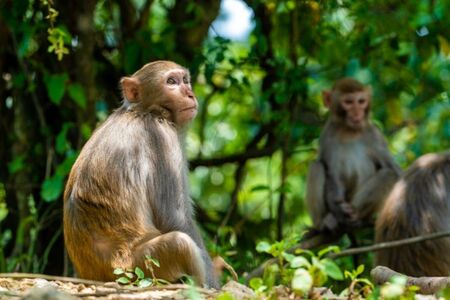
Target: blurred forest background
x=260 y=102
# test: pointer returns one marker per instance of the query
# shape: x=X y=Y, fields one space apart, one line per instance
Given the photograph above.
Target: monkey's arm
x=193 y=231
x=315 y=193
x=325 y=198
x=335 y=200
x=380 y=152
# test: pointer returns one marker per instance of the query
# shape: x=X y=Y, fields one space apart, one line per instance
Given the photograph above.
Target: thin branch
x=144 y=17
x=203 y=117
x=234 y=158
x=238 y=179
x=391 y=244
x=282 y=197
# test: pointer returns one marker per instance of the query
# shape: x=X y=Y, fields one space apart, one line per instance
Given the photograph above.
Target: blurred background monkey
x=418 y=204
x=127 y=194
x=354 y=172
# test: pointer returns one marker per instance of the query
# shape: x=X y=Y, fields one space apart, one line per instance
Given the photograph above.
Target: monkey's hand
x=344 y=212
x=351 y=215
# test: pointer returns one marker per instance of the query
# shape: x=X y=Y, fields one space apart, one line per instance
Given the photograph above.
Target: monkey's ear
x=326 y=97
x=130 y=88
x=368 y=90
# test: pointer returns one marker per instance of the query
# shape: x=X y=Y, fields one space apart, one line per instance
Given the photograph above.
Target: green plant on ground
x=301 y=271
x=359 y=287
x=136 y=276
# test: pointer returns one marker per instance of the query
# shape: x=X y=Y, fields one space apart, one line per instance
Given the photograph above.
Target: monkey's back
x=418 y=204
x=107 y=204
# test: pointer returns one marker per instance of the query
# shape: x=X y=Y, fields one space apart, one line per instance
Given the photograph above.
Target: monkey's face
x=355 y=108
x=178 y=96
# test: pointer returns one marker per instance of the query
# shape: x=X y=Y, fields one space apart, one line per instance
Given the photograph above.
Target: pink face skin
x=180 y=98
x=355 y=105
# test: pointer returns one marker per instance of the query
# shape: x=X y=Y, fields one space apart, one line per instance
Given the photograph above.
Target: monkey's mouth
x=194 y=108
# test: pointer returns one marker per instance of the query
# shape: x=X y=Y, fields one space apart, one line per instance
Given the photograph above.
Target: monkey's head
x=163 y=88
x=349 y=103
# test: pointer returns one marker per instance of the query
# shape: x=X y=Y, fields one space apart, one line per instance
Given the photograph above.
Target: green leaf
x=76 y=92
x=225 y=296
x=332 y=269
x=299 y=262
x=118 y=271
x=139 y=273
x=56 y=86
x=3 y=211
x=391 y=291
x=52 y=188
x=260 y=187
x=256 y=283
x=16 y=164
x=334 y=249
x=129 y=275
x=359 y=270
x=86 y=131
x=263 y=247
x=123 y=280
x=146 y=282
x=399 y=279
x=152 y=260
x=302 y=281
x=64 y=168
x=62 y=144
x=288 y=257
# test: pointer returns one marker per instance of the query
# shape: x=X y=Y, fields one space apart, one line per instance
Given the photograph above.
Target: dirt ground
x=21 y=287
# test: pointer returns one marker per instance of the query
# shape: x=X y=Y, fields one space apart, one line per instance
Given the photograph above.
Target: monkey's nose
x=190 y=93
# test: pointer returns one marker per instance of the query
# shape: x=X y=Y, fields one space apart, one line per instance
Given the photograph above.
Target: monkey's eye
x=361 y=100
x=171 y=80
x=348 y=101
x=185 y=80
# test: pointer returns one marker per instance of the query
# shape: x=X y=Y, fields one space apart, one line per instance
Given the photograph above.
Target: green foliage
x=359 y=287
x=57 y=36
x=132 y=277
x=301 y=271
x=56 y=86
x=136 y=277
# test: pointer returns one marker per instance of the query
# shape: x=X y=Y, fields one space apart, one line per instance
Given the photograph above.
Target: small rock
x=239 y=291
x=41 y=283
x=47 y=293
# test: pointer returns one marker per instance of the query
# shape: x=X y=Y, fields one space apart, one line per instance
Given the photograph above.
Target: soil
x=20 y=287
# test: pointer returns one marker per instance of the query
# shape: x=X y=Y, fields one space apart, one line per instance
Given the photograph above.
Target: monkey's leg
x=177 y=254
x=315 y=194
x=370 y=196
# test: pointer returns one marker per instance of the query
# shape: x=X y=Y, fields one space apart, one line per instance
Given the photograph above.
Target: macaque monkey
x=127 y=194
x=418 y=204
x=354 y=171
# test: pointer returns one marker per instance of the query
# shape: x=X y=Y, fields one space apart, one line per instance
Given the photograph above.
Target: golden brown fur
x=127 y=195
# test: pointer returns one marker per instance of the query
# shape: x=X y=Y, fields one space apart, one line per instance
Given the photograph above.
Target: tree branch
x=427 y=285
x=391 y=244
x=233 y=158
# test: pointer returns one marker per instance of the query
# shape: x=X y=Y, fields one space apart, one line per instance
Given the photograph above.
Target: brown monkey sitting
x=127 y=194
x=354 y=171
x=418 y=204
